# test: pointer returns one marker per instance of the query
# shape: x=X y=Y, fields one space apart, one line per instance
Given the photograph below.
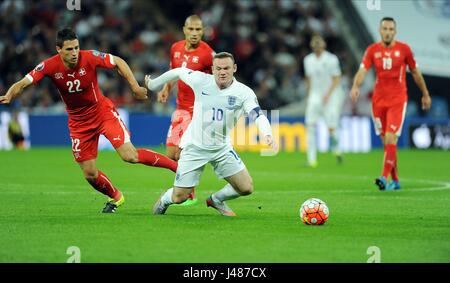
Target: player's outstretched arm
x=357 y=82
x=125 y=71
x=15 y=90
x=157 y=83
x=420 y=82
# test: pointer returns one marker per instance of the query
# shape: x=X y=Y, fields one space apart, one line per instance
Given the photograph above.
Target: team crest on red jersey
x=195 y=59
x=59 y=76
x=397 y=53
x=82 y=72
x=177 y=54
x=377 y=54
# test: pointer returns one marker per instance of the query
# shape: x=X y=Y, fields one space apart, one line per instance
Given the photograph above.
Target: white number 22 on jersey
x=75 y=83
x=387 y=63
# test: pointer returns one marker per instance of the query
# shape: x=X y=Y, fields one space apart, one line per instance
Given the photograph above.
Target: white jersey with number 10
x=216 y=111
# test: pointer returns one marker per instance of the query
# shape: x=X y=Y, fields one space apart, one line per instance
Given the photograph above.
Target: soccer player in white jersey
x=325 y=96
x=220 y=100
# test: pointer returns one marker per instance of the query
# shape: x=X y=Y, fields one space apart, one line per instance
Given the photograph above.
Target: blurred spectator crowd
x=268 y=38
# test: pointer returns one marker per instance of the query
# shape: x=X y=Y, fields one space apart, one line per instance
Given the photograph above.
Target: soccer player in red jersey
x=74 y=73
x=197 y=55
x=389 y=58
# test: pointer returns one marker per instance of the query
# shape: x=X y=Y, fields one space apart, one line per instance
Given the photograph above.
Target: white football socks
x=166 y=199
x=334 y=142
x=311 y=141
x=226 y=193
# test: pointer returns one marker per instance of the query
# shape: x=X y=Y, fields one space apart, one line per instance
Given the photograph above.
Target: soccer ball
x=314 y=212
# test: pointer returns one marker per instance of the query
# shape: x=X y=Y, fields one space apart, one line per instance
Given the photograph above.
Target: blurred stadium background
x=268 y=38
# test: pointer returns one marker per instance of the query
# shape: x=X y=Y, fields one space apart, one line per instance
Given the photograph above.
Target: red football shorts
x=180 y=121
x=85 y=135
x=389 y=119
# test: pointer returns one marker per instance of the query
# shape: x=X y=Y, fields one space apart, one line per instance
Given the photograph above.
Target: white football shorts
x=226 y=162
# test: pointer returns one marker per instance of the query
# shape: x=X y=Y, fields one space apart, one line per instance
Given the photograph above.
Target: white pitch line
x=437 y=186
x=441 y=185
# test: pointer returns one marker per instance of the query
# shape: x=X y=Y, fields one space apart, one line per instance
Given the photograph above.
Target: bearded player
x=389 y=58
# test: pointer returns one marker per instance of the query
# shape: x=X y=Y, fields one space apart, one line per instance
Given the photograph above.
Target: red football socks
x=151 y=158
x=104 y=185
x=192 y=194
x=390 y=159
x=394 y=173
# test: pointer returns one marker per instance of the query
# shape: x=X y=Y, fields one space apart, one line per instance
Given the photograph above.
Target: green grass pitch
x=46 y=207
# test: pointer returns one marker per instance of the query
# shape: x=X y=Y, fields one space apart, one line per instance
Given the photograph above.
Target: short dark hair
x=63 y=35
x=222 y=55
x=390 y=19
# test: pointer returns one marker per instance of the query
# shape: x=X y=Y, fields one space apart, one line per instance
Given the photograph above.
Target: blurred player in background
x=389 y=58
x=15 y=132
x=74 y=73
x=325 y=96
x=220 y=100
x=195 y=54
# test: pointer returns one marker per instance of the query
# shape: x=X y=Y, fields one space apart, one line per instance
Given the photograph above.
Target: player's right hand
x=5 y=99
x=140 y=93
x=354 y=94
x=426 y=102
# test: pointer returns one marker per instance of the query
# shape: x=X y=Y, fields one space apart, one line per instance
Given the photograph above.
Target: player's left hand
x=271 y=142
x=426 y=102
x=140 y=93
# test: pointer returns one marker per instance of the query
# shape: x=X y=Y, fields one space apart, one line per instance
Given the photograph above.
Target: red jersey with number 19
x=78 y=86
x=390 y=68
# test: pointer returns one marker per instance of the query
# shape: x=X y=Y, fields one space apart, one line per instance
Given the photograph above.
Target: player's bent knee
x=390 y=138
x=131 y=157
x=246 y=189
x=90 y=175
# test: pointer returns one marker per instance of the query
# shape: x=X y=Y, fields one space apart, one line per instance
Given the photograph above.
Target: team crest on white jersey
x=59 y=76
x=82 y=72
x=195 y=59
x=177 y=54
x=231 y=102
x=397 y=53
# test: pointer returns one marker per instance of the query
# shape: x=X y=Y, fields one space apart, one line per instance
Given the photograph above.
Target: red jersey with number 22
x=390 y=68
x=78 y=86
x=199 y=59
